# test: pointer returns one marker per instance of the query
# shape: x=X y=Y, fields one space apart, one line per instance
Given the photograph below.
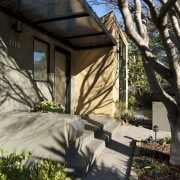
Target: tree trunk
x=175 y=144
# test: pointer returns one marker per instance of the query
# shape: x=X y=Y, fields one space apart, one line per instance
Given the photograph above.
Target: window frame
x=47 y=59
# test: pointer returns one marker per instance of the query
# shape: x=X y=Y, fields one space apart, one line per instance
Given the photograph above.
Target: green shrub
x=49 y=106
x=166 y=139
x=132 y=102
x=12 y=168
x=120 y=110
x=122 y=114
x=50 y=170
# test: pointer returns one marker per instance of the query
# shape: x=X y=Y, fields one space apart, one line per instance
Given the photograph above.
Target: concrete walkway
x=114 y=163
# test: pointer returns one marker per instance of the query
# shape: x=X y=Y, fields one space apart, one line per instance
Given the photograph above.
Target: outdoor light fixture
x=156 y=129
x=18 y=26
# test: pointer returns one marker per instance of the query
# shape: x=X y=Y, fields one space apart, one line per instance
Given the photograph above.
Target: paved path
x=114 y=163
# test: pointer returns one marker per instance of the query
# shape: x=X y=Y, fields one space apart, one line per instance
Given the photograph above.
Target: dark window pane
x=40 y=60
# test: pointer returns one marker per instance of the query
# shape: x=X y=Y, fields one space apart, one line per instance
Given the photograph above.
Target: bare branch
x=165 y=8
x=175 y=40
x=160 y=93
x=129 y=24
x=177 y=8
x=153 y=12
x=160 y=68
x=175 y=23
x=139 y=23
x=142 y=43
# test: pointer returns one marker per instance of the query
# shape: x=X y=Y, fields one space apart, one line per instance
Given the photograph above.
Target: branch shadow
x=45 y=135
x=17 y=86
x=97 y=83
x=113 y=163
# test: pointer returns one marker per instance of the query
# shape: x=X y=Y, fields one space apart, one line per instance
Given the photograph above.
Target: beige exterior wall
x=94 y=81
x=97 y=75
x=94 y=72
x=18 y=90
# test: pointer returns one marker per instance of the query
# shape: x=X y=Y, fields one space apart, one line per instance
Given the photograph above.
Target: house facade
x=61 y=51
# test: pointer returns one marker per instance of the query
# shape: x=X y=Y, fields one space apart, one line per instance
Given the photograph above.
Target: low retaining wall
x=159 y=116
x=44 y=134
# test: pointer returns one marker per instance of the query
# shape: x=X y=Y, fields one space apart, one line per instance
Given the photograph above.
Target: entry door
x=61 y=79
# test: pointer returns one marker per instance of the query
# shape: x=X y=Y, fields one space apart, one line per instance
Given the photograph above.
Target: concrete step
x=108 y=132
x=98 y=132
x=99 y=121
x=79 y=165
x=105 y=127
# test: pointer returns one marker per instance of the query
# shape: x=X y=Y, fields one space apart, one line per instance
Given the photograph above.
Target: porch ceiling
x=70 y=21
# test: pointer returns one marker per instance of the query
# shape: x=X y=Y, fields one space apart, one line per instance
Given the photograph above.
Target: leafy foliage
x=12 y=168
x=166 y=140
x=49 y=106
x=132 y=102
x=122 y=114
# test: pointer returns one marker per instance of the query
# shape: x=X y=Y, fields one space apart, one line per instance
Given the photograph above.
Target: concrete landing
x=43 y=134
x=114 y=163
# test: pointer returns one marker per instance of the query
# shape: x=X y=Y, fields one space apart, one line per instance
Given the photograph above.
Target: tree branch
x=141 y=43
x=153 y=12
x=177 y=8
x=139 y=22
x=175 y=24
x=165 y=8
x=175 y=40
x=129 y=24
x=160 y=68
x=153 y=82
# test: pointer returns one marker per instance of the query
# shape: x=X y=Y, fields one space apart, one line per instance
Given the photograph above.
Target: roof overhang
x=70 y=21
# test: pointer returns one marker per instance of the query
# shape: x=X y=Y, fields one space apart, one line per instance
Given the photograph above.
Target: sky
x=101 y=10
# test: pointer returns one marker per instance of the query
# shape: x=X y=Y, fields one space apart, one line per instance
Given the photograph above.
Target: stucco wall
x=96 y=80
x=18 y=90
x=94 y=73
x=97 y=75
x=159 y=116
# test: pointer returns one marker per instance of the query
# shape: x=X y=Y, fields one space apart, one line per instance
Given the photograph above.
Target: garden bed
x=152 y=161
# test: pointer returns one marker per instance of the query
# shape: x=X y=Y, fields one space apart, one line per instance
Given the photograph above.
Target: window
x=41 y=54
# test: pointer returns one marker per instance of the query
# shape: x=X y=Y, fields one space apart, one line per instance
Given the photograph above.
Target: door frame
x=67 y=74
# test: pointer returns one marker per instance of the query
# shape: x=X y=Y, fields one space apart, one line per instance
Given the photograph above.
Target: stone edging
x=133 y=175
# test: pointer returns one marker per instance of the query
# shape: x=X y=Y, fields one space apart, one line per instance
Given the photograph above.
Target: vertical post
x=156 y=129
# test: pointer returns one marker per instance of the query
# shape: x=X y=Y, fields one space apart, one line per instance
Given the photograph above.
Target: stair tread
x=87 y=152
x=93 y=141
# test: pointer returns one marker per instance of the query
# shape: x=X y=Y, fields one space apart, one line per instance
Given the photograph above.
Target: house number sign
x=15 y=44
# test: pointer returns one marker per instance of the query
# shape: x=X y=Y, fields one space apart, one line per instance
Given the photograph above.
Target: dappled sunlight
x=109 y=166
x=43 y=134
x=18 y=89
x=96 y=81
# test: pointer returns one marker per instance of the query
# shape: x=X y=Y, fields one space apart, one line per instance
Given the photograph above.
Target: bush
x=122 y=114
x=132 y=102
x=49 y=106
x=12 y=168
x=166 y=140
x=120 y=110
x=49 y=170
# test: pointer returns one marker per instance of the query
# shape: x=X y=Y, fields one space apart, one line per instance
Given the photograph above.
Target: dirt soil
x=152 y=163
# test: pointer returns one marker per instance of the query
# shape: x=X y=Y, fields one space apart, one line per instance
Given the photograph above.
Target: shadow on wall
x=18 y=90
x=45 y=135
x=96 y=80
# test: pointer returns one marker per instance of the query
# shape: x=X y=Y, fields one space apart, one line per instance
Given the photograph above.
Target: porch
x=51 y=136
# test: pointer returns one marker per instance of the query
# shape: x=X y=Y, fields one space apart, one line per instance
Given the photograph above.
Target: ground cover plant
x=152 y=161
x=48 y=106
x=12 y=168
